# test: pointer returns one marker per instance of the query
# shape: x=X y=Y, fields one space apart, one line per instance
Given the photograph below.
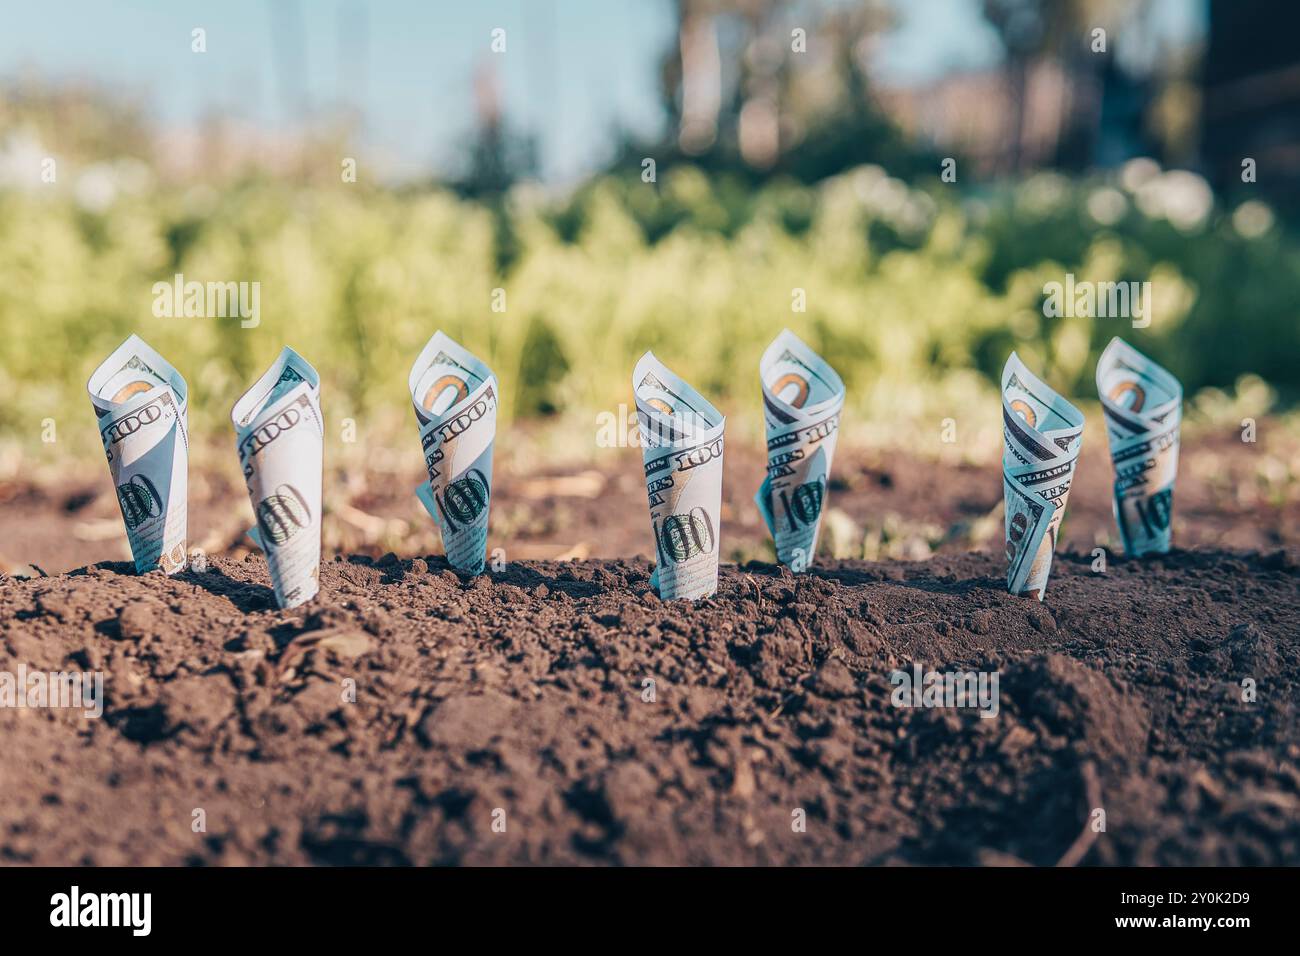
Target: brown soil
x=520 y=698
x=886 y=503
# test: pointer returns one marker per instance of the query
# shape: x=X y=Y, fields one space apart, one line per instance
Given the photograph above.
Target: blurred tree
x=83 y=123
x=1071 y=103
x=761 y=88
x=497 y=156
x=1054 y=70
x=1252 y=97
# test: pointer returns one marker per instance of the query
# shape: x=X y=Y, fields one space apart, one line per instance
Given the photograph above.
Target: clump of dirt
x=562 y=713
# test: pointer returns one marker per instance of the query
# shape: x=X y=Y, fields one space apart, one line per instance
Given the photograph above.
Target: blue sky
x=575 y=70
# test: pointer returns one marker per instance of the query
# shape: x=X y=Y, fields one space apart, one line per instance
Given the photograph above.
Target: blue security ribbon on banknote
x=1042 y=435
x=455 y=396
x=280 y=437
x=141 y=404
x=802 y=400
x=681 y=437
x=1143 y=407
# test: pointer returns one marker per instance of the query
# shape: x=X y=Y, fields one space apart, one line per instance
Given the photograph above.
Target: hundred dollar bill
x=455 y=399
x=1143 y=406
x=802 y=399
x=280 y=435
x=1042 y=434
x=681 y=440
x=140 y=401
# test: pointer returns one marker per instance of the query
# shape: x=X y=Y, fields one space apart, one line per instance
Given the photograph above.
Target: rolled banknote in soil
x=455 y=399
x=280 y=434
x=681 y=440
x=1042 y=434
x=140 y=401
x=802 y=398
x=1143 y=406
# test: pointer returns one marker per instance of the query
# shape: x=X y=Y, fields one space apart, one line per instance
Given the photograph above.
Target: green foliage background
x=916 y=295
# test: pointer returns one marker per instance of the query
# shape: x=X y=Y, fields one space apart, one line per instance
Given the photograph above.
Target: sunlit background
x=796 y=152
x=413 y=82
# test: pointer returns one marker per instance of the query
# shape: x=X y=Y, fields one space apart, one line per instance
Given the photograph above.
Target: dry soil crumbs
x=561 y=713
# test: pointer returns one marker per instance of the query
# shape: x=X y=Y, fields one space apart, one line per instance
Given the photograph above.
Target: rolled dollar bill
x=140 y=401
x=1042 y=434
x=280 y=435
x=1143 y=406
x=455 y=399
x=802 y=398
x=681 y=441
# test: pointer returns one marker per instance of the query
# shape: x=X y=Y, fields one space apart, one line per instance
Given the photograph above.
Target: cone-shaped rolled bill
x=681 y=441
x=802 y=398
x=1143 y=405
x=140 y=401
x=1042 y=434
x=455 y=399
x=280 y=435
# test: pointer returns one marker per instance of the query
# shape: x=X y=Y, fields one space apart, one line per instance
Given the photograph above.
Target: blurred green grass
x=916 y=295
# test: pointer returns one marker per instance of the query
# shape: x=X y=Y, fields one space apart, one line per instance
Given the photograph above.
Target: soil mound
x=562 y=713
